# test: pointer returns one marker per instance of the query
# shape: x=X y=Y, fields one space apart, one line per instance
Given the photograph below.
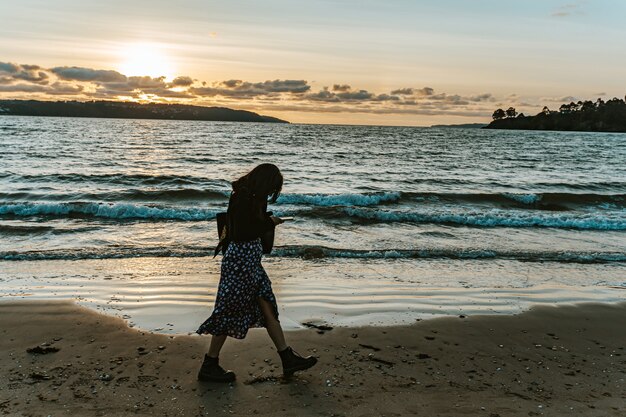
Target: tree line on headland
x=129 y=110
x=585 y=116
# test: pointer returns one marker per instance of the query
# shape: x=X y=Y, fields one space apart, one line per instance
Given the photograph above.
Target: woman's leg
x=211 y=369
x=216 y=345
x=292 y=362
x=272 y=325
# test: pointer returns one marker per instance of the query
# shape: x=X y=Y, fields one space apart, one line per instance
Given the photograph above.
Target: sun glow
x=145 y=59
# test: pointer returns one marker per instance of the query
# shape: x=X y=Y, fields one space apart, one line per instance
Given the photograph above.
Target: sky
x=392 y=62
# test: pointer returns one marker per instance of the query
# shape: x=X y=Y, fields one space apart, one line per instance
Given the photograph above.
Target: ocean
x=390 y=223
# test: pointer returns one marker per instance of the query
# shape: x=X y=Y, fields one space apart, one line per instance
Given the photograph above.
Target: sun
x=145 y=59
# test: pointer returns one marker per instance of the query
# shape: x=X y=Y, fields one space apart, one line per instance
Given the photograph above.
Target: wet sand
x=174 y=295
x=552 y=361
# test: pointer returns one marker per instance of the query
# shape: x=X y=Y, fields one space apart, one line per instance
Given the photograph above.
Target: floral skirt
x=242 y=282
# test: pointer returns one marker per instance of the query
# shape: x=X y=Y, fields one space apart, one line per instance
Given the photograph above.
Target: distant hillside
x=461 y=126
x=129 y=110
x=584 y=116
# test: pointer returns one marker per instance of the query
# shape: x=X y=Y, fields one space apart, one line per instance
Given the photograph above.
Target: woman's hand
x=277 y=220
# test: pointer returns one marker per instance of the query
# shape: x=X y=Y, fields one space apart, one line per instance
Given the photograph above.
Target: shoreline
x=545 y=361
x=173 y=295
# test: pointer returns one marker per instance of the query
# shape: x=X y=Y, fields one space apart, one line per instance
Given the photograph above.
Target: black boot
x=293 y=362
x=212 y=371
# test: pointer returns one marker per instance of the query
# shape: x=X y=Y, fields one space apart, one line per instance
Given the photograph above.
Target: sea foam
x=496 y=218
x=111 y=211
x=325 y=200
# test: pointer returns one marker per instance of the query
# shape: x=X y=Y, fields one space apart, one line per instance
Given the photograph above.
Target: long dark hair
x=264 y=182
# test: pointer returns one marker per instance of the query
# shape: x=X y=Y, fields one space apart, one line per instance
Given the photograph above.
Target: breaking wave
x=110 y=211
x=599 y=220
x=496 y=218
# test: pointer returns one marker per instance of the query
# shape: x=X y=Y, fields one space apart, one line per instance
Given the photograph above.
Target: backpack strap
x=223 y=222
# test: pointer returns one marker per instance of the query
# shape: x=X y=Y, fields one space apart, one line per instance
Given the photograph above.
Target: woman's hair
x=264 y=181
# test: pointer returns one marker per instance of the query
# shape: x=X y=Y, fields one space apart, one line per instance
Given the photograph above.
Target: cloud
x=138 y=86
x=569 y=10
x=562 y=99
x=88 y=74
x=408 y=91
x=24 y=88
x=182 y=81
x=232 y=83
x=59 y=88
x=145 y=82
x=15 y=72
x=9 y=67
x=245 y=89
x=289 y=86
x=426 y=91
x=110 y=84
x=344 y=94
x=379 y=110
x=38 y=77
x=454 y=99
x=355 y=95
x=404 y=91
x=482 y=97
x=32 y=81
x=386 y=97
x=56 y=88
x=324 y=95
x=398 y=100
x=341 y=87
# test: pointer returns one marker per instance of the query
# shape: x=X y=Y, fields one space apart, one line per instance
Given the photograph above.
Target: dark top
x=248 y=217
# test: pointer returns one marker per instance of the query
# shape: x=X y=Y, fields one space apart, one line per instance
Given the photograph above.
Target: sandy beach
x=551 y=361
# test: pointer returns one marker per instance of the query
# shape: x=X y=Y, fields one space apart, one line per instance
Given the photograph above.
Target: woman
x=244 y=296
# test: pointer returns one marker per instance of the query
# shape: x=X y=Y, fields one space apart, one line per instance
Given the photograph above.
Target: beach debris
x=43 y=349
x=423 y=356
x=313 y=253
x=38 y=376
x=383 y=361
x=142 y=350
x=429 y=338
x=374 y=348
x=106 y=377
x=321 y=327
x=261 y=379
